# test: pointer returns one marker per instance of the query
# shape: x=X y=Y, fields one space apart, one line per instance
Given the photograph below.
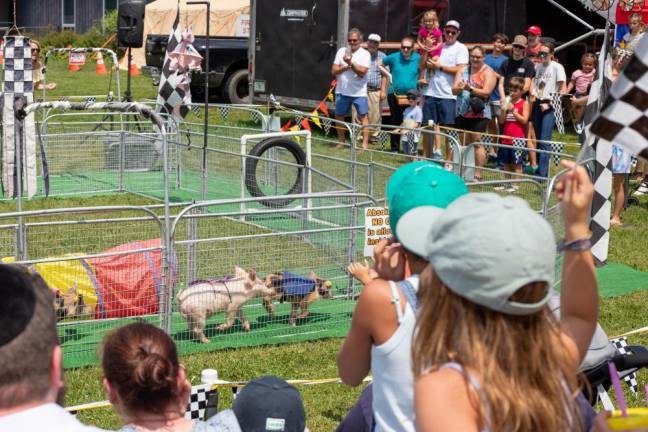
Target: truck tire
x=251 y=181
x=235 y=90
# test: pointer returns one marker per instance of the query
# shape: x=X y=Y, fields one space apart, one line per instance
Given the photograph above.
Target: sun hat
x=428 y=186
x=270 y=404
x=374 y=37
x=534 y=30
x=453 y=23
x=520 y=40
x=485 y=247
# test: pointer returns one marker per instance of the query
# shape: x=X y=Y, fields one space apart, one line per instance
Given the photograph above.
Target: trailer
x=293 y=42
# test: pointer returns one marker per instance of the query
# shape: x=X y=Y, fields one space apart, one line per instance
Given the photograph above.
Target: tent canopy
x=227 y=18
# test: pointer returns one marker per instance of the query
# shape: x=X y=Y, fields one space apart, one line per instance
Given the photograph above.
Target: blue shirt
x=404 y=72
x=496 y=64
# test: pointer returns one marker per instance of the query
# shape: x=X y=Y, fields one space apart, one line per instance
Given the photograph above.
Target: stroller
x=628 y=359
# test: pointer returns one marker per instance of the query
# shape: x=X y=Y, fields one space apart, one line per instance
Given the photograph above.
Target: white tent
x=228 y=18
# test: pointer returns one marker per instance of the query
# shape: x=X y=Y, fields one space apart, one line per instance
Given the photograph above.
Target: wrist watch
x=580 y=245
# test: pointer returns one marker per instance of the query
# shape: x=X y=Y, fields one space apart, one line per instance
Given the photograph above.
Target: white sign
x=376 y=228
x=242 y=26
x=77 y=58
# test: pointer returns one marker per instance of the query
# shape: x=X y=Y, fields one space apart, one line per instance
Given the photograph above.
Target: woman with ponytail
x=145 y=382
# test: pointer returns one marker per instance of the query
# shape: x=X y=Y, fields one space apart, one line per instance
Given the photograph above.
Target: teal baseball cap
x=485 y=247
x=426 y=188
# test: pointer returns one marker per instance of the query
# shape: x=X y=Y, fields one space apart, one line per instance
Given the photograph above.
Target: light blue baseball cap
x=485 y=247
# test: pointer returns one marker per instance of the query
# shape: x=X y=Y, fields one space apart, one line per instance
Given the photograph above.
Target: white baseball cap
x=374 y=37
x=453 y=23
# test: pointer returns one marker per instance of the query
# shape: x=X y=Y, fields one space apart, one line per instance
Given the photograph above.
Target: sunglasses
x=450 y=32
x=353 y=40
x=406 y=47
x=411 y=98
x=518 y=47
x=543 y=54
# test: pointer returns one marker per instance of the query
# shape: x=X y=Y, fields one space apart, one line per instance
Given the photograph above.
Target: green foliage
x=95 y=36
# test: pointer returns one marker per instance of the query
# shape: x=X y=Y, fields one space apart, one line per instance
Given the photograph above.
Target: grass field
x=325 y=404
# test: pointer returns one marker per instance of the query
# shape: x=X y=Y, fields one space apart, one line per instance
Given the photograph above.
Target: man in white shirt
x=440 y=103
x=350 y=70
x=550 y=78
x=31 y=376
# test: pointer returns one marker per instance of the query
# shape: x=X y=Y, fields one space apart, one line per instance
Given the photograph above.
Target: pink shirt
x=582 y=80
x=435 y=34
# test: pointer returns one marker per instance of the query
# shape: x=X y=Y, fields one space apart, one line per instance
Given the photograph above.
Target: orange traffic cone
x=101 y=67
x=134 y=70
x=72 y=67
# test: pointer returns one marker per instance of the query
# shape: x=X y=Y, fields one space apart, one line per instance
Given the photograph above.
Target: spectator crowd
x=511 y=92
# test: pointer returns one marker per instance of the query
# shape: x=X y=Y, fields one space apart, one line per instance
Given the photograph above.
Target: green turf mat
x=619 y=279
x=327 y=318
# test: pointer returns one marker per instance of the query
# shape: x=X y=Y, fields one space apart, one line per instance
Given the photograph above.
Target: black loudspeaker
x=130 y=23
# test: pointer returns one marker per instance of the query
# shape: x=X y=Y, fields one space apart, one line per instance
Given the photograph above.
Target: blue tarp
x=296 y=285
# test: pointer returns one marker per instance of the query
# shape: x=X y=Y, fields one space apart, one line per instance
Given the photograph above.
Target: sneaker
x=436 y=154
x=529 y=169
x=642 y=189
x=512 y=188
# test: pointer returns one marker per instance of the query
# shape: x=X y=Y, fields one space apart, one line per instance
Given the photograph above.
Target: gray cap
x=485 y=247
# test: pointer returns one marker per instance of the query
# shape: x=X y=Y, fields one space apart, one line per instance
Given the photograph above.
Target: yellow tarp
x=63 y=275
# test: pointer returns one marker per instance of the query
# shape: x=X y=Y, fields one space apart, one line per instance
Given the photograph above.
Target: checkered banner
x=174 y=96
x=18 y=81
x=623 y=118
x=556 y=104
x=622 y=347
x=200 y=398
x=601 y=204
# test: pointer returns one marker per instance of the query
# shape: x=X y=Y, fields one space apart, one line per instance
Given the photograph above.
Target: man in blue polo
x=440 y=104
x=403 y=66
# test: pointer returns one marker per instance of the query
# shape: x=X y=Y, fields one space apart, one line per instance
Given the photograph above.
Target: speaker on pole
x=130 y=23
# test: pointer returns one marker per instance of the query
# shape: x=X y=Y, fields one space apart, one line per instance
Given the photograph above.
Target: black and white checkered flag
x=198 y=400
x=171 y=95
x=623 y=118
x=622 y=347
x=519 y=144
x=601 y=204
x=556 y=104
x=557 y=148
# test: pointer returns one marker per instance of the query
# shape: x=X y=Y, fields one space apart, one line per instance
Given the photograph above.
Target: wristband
x=579 y=245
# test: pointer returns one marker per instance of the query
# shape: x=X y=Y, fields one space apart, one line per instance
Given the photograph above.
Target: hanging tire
x=236 y=90
x=251 y=181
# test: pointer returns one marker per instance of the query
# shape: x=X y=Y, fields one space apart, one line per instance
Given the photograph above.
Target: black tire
x=251 y=182
x=235 y=89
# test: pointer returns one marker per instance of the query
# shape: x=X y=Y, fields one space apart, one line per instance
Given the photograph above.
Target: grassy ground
x=325 y=404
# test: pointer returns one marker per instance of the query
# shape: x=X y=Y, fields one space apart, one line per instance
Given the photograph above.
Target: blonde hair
x=524 y=372
x=430 y=14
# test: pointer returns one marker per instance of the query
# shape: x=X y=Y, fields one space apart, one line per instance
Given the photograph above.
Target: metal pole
x=571 y=14
x=203 y=180
x=18 y=129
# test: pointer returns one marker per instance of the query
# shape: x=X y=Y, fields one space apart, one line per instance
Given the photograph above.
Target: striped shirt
x=373 y=74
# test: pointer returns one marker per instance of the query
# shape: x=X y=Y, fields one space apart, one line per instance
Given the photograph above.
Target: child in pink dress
x=429 y=40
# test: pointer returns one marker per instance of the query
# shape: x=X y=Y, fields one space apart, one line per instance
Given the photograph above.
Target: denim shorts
x=441 y=111
x=343 y=104
x=506 y=155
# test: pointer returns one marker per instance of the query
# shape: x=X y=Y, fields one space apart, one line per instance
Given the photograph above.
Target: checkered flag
x=298 y=119
x=326 y=122
x=223 y=111
x=195 y=109
x=556 y=104
x=383 y=137
x=557 y=147
x=601 y=204
x=410 y=141
x=453 y=133
x=519 y=144
x=623 y=118
x=622 y=347
x=487 y=139
x=198 y=400
x=256 y=116
x=171 y=95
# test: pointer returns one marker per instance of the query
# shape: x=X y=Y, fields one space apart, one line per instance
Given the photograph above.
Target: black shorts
x=472 y=124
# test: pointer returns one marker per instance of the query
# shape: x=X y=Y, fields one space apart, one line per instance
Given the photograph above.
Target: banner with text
x=376 y=228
